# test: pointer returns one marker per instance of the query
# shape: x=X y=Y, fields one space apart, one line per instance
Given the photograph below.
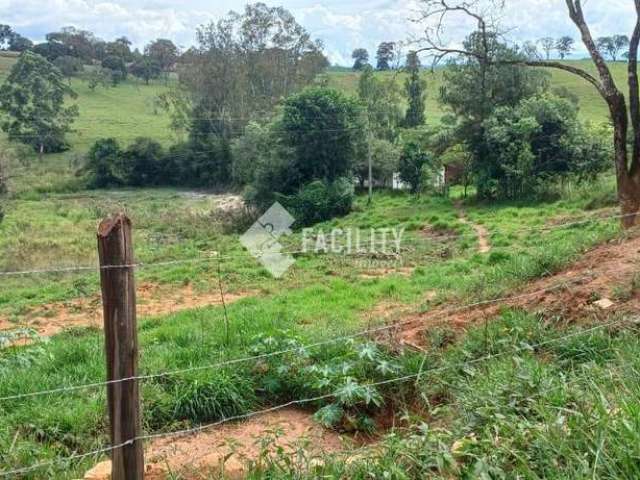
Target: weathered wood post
x=115 y=251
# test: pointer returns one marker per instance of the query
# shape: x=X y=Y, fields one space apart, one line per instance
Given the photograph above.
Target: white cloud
x=342 y=24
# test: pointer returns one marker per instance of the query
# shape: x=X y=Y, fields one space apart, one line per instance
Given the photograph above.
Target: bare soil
x=152 y=299
x=484 y=246
x=607 y=272
x=227 y=450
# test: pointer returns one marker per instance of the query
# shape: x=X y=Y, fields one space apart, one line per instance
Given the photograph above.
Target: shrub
x=413 y=162
x=105 y=166
x=305 y=157
x=248 y=151
x=116 y=67
x=320 y=201
x=143 y=160
x=536 y=143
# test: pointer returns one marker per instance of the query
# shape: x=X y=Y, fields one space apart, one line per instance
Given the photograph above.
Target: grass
x=525 y=413
x=318 y=298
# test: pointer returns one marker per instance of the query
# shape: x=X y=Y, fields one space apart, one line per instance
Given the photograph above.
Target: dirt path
x=152 y=300
x=228 y=449
x=603 y=281
x=484 y=246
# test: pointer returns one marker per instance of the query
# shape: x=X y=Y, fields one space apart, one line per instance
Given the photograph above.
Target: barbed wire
x=200 y=428
x=368 y=332
x=311 y=251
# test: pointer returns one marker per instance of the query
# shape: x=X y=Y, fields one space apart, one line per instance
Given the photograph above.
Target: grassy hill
x=592 y=106
x=130 y=110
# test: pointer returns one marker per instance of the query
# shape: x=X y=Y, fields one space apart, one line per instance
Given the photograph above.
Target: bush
x=304 y=158
x=105 y=166
x=320 y=201
x=384 y=158
x=248 y=151
x=534 y=144
x=116 y=67
x=322 y=127
x=412 y=165
x=144 y=162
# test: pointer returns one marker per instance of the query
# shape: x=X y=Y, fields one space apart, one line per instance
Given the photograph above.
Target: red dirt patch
x=484 y=246
x=603 y=272
x=228 y=449
x=51 y=319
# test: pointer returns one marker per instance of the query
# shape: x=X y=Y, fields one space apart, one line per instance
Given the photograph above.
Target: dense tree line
x=70 y=49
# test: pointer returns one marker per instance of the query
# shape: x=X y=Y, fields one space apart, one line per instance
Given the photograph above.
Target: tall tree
x=120 y=47
x=162 y=52
x=623 y=115
x=244 y=65
x=360 y=57
x=548 y=45
x=18 y=43
x=6 y=32
x=383 y=101
x=145 y=68
x=78 y=43
x=32 y=102
x=415 y=88
x=385 y=55
x=564 y=46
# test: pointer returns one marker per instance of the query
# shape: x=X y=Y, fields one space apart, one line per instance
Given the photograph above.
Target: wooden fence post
x=115 y=251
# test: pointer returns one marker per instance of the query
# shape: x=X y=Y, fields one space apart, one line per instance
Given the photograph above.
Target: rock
x=604 y=303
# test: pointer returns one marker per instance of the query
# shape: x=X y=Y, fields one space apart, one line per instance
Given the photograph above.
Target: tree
x=473 y=89
x=121 y=47
x=98 y=76
x=530 y=50
x=536 y=143
x=69 y=66
x=415 y=88
x=6 y=32
x=623 y=115
x=163 y=53
x=145 y=68
x=385 y=55
x=321 y=126
x=565 y=46
x=143 y=161
x=411 y=165
x=383 y=101
x=116 y=67
x=384 y=161
x=250 y=150
x=360 y=57
x=548 y=44
x=51 y=50
x=32 y=101
x=612 y=46
x=78 y=43
x=18 y=43
x=317 y=138
x=243 y=66
x=105 y=165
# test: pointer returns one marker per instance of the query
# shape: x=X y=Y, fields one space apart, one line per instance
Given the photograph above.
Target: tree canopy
x=32 y=103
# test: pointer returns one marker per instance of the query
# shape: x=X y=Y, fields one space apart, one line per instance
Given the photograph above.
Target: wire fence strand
x=365 y=333
x=200 y=428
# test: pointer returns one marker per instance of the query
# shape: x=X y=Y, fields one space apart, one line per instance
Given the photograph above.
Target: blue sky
x=342 y=24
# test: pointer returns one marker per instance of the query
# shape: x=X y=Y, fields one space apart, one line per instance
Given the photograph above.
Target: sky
x=341 y=24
